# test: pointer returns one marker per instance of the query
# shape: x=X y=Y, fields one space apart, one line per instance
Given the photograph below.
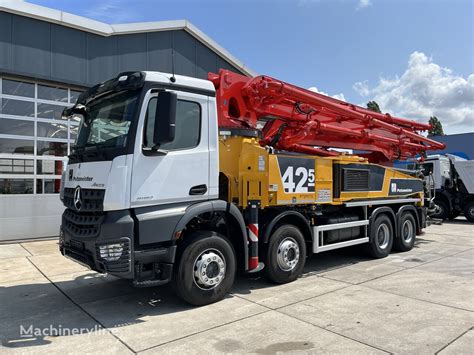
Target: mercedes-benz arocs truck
x=180 y=179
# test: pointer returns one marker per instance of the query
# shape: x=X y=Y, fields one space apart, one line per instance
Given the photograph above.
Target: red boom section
x=299 y=120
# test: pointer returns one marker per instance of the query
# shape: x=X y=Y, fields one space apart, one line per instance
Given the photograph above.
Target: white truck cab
x=128 y=184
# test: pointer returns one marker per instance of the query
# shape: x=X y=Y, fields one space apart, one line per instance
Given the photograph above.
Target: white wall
x=29 y=216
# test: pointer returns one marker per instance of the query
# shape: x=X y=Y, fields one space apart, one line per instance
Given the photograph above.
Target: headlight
x=111 y=252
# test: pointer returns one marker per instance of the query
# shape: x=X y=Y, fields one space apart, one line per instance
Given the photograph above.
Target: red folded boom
x=299 y=120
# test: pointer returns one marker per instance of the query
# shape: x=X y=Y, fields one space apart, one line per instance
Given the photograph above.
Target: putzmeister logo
x=77 y=198
x=78 y=178
x=395 y=188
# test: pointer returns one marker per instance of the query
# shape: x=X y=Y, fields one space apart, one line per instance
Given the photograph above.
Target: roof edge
x=103 y=29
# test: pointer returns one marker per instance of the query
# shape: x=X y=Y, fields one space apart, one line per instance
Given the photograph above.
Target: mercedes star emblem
x=78 y=198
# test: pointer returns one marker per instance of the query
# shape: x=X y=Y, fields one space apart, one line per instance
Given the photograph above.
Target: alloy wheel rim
x=383 y=236
x=209 y=269
x=288 y=254
x=407 y=231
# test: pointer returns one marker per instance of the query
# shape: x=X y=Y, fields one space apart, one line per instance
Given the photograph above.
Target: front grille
x=76 y=244
x=82 y=224
x=92 y=200
x=356 y=180
x=121 y=265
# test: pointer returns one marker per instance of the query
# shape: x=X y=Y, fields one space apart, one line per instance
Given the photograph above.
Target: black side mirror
x=165 y=118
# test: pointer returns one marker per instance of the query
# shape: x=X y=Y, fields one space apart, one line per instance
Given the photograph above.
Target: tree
x=373 y=106
x=436 y=127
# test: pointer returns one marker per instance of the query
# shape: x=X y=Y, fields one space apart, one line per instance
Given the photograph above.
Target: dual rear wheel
x=382 y=237
x=286 y=251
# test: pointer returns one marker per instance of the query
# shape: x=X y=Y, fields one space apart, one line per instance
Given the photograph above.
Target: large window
x=188 y=125
x=108 y=120
x=34 y=139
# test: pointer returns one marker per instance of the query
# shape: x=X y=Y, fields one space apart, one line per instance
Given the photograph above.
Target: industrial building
x=47 y=57
x=460 y=144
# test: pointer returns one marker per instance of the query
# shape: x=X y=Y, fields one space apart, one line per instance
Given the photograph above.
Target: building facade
x=461 y=144
x=47 y=57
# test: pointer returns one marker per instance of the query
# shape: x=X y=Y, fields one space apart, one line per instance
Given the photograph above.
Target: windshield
x=107 y=120
x=426 y=168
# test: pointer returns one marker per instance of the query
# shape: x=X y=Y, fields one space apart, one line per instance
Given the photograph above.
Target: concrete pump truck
x=186 y=180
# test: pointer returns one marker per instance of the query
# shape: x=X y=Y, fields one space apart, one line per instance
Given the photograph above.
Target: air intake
x=356 y=179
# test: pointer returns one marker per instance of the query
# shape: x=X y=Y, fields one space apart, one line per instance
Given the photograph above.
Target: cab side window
x=188 y=125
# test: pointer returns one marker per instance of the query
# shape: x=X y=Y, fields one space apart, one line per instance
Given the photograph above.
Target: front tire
x=469 y=211
x=206 y=268
x=380 y=237
x=407 y=236
x=286 y=254
x=442 y=212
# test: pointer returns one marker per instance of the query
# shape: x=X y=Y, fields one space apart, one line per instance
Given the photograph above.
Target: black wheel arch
x=387 y=211
x=234 y=218
x=291 y=217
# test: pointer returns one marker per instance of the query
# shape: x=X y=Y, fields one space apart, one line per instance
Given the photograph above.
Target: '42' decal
x=297 y=174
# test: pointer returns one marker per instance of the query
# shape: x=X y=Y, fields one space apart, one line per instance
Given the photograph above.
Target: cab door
x=179 y=173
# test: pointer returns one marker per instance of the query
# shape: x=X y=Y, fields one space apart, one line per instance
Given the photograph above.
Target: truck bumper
x=107 y=244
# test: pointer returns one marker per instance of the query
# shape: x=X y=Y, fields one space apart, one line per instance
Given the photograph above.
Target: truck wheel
x=407 y=236
x=286 y=254
x=206 y=268
x=442 y=211
x=380 y=237
x=469 y=211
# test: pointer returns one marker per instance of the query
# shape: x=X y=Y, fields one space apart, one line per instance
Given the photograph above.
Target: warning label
x=324 y=195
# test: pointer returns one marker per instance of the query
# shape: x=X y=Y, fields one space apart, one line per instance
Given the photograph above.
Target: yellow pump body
x=251 y=172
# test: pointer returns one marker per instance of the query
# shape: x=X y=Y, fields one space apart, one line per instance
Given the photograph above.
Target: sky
x=414 y=57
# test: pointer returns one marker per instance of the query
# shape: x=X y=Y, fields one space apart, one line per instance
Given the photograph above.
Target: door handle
x=198 y=190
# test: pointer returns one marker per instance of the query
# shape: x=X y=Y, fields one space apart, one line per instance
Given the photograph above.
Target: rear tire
x=406 y=239
x=380 y=237
x=286 y=254
x=205 y=270
x=469 y=211
x=442 y=211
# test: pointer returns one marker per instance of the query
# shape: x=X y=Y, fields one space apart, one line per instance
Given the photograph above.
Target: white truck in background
x=452 y=180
